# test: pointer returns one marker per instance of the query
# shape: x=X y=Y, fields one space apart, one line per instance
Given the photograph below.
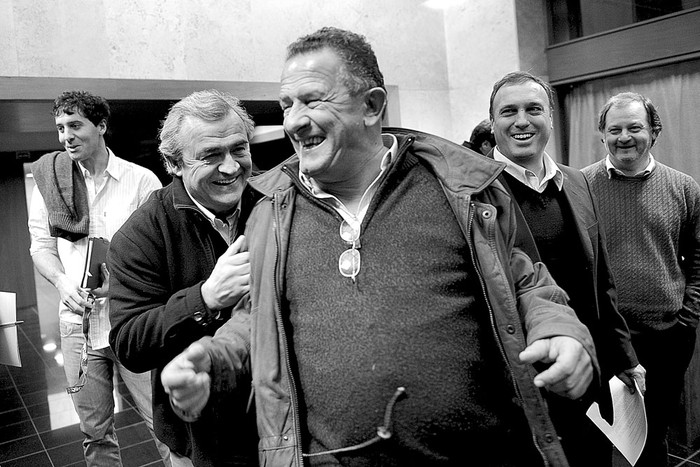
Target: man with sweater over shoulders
x=87 y=192
x=392 y=322
x=651 y=214
x=558 y=224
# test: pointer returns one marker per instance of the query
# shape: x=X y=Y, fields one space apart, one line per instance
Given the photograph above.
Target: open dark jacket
x=609 y=329
x=158 y=261
x=524 y=302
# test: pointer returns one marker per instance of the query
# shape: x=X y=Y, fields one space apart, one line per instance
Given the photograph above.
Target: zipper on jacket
x=501 y=348
x=280 y=329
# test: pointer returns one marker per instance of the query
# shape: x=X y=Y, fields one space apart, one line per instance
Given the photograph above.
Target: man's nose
x=521 y=119
x=296 y=120
x=624 y=135
x=229 y=165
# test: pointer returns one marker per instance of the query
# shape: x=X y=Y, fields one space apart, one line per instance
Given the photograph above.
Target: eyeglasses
x=349 y=261
x=82 y=374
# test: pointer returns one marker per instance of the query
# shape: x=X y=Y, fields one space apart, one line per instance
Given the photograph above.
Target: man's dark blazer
x=608 y=328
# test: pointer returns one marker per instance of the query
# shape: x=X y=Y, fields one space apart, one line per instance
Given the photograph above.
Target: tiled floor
x=38 y=425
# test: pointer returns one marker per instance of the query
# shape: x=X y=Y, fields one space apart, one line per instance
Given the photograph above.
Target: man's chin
x=524 y=156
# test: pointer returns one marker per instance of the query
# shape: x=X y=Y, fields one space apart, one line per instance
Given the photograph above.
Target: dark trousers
x=666 y=356
x=584 y=444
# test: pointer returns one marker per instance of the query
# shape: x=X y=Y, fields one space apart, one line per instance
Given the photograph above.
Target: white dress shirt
x=125 y=186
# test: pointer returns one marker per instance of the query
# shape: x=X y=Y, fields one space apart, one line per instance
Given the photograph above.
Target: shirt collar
x=528 y=177
x=610 y=168
x=231 y=219
x=315 y=190
x=114 y=168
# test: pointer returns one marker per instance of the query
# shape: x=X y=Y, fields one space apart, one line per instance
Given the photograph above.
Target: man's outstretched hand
x=571 y=371
x=186 y=380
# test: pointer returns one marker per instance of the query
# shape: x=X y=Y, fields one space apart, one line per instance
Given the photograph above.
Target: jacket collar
x=181 y=199
x=458 y=168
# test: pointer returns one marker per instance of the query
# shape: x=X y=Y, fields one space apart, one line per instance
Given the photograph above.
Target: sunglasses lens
x=349 y=263
x=348 y=232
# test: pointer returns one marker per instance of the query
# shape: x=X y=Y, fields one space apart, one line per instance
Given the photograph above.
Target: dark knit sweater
x=415 y=318
x=650 y=224
x=551 y=223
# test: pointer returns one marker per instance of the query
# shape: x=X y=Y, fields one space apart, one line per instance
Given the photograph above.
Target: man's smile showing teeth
x=225 y=182
x=312 y=142
x=523 y=136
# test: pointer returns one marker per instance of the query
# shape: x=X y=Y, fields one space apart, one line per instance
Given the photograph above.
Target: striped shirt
x=124 y=187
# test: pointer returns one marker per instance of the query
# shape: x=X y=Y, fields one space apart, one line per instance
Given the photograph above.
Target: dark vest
x=551 y=222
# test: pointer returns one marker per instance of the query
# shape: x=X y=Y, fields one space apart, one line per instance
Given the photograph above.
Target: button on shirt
x=125 y=186
x=528 y=177
x=355 y=219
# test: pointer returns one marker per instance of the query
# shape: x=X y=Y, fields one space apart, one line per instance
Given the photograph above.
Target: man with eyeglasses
x=387 y=305
x=86 y=191
x=651 y=214
x=180 y=267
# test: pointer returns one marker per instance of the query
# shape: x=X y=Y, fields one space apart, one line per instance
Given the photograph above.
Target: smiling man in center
x=392 y=322
x=558 y=225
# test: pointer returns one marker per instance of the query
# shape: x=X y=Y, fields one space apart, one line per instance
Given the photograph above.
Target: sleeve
x=38 y=222
x=150 y=183
x=151 y=322
x=229 y=350
x=690 y=253
x=543 y=304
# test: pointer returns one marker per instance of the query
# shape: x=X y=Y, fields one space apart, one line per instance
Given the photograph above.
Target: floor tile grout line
x=158 y=462
x=29 y=455
x=150 y=440
x=31 y=419
x=36 y=311
x=685 y=461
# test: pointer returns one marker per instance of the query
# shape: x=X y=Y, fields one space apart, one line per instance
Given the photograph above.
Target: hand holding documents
x=629 y=429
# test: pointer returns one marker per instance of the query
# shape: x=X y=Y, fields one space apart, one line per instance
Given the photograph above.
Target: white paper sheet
x=9 y=348
x=629 y=429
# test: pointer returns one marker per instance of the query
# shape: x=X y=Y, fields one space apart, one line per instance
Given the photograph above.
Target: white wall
x=482 y=47
x=444 y=61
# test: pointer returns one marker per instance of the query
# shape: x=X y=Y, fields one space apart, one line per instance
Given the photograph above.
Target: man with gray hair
x=180 y=264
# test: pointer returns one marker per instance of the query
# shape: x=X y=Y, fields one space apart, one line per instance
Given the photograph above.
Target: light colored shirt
x=355 y=219
x=124 y=187
x=647 y=170
x=528 y=177
x=226 y=227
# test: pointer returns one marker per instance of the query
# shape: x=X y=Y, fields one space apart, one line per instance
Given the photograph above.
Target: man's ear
x=375 y=103
x=654 y=137
x=102 y=127
x=176 y=168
